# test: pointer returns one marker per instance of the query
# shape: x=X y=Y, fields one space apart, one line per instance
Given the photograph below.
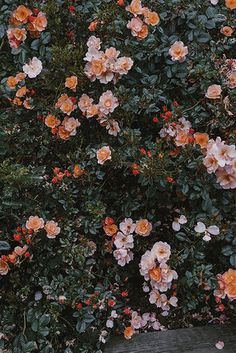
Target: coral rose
x=230 y=4
x=151 y=18
x=22 y=13
x=155 y=274
x=201 y=139
x=38 y=23
x=63 y=133
x=128 y=332
x=4 y=268
x=51 y=121
x=143 y=227
x=21 y=92
x=110 y=229
x=71 y=82
x=227 y=31
x=103 y=154
x=178 y=51
x=35 y=223
x=135 y=7
x=12 y=82
x=52 y=229
x=214 y=92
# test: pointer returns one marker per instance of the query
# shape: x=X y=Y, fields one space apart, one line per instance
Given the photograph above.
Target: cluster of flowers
x=105 y=66
x=221 y=159
x=35 y=20
x=200 y=227
x=142 y=322
x=180 y=131
x=33 y=225
x=154 y=269
x=68 y=126
x=32 y=69
x=123 y=237
x=60 y=175
x=106 y=105
x=139 y=27
x=227 y=286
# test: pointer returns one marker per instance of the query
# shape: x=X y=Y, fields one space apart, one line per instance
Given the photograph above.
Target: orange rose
x=143 y=227
x=71 y=82
x=229 y=277
x=230 y=4
x=77 y=171
x=21 y=92
x=52 y=229
x=230 y=291
x=201 y=139
x=128 y=332
x=143 y=33
x=63 y=133
x=51 y=121
x=93 y=26
x=97 y=67
x=227 y=31
x=135 y=7
x=152 y=18
x=35 y=223
x=22 y=13
x=155 y=274
x=12 y=82
x=4 y=268
x=39 y=23
x=103 y=154
x=182 y=138
x=110 y=229
x=20 y=76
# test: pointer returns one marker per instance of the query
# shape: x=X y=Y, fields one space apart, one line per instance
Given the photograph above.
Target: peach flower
x=110 y=229
x=16 y=36
x=123 y=65
x=230 y=4
x=4 y=268
x=108 y=102
x=128 y=332
x=135 y=7
x=65 y=104
x=151 y=18
x=52 y=229
x=85 y=102
x=155 y=274
x=231 y=80
x=35 y=223
x=63 y=133
x=71 y=82
x=143 y=227
x=51 y=121
x=201 y=139
x=143 y=33
x=227 y=31
x=12 y=82
x=22 y=13
x=21 y=92
x=103 y=154
x=182 y=138
x=178 y=51
x=77 y=172
x=38 y=23
x=19 y=251
x=71 y=124
x=213 y=92
x=20 y=76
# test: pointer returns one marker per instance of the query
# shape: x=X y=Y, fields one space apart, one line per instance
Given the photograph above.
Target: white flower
x=103 y=335
x=176 y=225
x=109 y=323
x=124 y=241
x=220 y=345
x=211 y=230
x=214 y=2
x=34 y=68
x=127 y=226
x=123 y=256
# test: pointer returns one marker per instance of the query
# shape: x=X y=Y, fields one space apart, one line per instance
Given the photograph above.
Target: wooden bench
x=189 y=340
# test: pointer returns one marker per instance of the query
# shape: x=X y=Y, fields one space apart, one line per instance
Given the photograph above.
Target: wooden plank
x=190 y=340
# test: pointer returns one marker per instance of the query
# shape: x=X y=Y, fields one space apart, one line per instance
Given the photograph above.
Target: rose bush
x=117 y=170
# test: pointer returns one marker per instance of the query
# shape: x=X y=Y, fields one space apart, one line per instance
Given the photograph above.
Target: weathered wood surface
x=190 y=340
